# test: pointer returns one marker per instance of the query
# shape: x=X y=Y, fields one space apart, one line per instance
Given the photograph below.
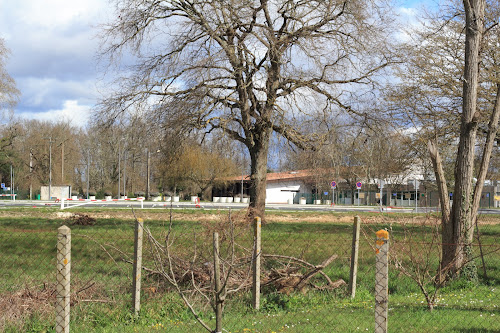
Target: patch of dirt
x=64 y=215
x=81 y=219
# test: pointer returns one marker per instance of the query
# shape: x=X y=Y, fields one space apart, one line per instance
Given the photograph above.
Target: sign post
x=381 y=187
x=333 y=184
x=358 y=186
x=416 y=197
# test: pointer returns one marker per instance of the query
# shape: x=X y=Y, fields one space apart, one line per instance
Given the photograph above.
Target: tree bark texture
x=457 y=234
x=258 y=175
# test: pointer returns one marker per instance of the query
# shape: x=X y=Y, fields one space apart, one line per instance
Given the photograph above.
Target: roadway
x=220 y=206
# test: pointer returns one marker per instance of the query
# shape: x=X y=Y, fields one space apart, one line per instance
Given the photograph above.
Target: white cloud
x=53 y=46
x=409 y=12
x=51 y=14
x=76 y=114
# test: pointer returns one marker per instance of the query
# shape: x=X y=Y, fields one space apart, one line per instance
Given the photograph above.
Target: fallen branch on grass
x=288 y=279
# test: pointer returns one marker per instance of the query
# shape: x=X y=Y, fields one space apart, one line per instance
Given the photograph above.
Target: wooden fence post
x=256 y=264
x=63 y=279
x=218 y=289
x=381 y=281
x=354 y=256
x=137 y=270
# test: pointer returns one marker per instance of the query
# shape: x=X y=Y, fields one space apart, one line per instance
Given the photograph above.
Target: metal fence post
x=137 y=270
x=381 y=281
x=63 y=279
x=256 y=264
x=354 y=256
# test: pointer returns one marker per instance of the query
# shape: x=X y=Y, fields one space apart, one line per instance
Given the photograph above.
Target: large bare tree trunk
x=258 y=175
x=457 y=234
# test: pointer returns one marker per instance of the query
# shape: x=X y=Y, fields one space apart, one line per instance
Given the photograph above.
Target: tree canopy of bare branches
x=247 y=68
x=451 y=92
x=8 y=91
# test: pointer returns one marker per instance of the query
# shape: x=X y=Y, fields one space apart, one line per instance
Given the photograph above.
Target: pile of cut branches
x=289 y=278
x=81 y=219
x=287 y=274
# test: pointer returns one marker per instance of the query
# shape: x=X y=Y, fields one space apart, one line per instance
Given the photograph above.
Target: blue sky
x=53 y=45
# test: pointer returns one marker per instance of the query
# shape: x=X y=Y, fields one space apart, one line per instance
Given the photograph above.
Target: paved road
x=210 y=205
x=180 y=205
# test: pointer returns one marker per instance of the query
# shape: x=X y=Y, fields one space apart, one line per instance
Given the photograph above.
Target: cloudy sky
x=53 y=45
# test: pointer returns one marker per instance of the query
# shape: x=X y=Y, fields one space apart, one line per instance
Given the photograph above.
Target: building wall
x=283 y=191
x=56 y=192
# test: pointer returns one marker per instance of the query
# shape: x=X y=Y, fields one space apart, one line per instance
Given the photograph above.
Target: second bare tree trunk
x=458 y=232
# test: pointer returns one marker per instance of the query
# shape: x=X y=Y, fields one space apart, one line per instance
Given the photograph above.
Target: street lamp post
x=147 y=173
x=124 y=173
x=88 y=173
x=50 y=166
x=119 y=171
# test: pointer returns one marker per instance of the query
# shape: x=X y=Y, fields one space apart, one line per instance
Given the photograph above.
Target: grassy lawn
x=102 y=277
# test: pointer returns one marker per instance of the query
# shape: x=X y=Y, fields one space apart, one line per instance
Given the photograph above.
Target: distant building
x=398 y=190
x=56 y=192
x=282 y=187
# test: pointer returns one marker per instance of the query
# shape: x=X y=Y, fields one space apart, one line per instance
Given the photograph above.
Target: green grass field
x=102 y=275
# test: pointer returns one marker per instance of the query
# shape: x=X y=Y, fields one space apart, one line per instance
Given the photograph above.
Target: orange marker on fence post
x=381 y=281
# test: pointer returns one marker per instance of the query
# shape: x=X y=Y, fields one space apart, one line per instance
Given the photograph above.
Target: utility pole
x=11 y=182
x=50 y=166
x=147 y=173
x=62 y=163
x=31 y=173
x=119 y=170
x=124 y=173
x=88 y=172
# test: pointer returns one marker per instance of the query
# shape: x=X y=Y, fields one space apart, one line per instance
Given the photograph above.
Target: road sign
x=358 y=185
x=334 y=184
x=3 y=185
x=325 y=193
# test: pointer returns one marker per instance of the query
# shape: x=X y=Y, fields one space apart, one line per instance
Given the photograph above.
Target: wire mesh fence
x=305 y=270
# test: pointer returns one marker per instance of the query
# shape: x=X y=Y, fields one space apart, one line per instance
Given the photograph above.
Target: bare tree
x=8 y=98
x=453 y=78
x=247 y=68
x=8 y=91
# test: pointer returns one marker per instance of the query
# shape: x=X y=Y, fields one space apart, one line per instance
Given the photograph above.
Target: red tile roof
x=277 y=176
